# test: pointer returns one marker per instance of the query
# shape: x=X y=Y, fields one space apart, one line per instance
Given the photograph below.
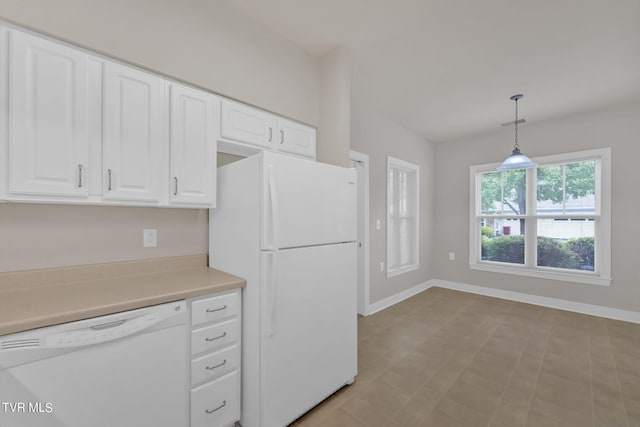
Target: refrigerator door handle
x=272 y=290
x=273 y=204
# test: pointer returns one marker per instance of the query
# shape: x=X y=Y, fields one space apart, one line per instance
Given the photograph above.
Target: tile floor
x=445 y=358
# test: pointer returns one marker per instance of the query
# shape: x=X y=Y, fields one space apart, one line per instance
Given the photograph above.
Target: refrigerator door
x=306 y=203
x=309 y=342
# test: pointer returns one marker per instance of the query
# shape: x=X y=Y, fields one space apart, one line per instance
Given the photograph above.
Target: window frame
x=395 y=163
x=602 y=252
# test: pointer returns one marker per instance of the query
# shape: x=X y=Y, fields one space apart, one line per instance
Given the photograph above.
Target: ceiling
x=446 y=68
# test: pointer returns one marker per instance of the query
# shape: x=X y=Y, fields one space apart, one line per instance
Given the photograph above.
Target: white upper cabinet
x=48 y=149
x=294 y=138
x=247 y=130
x=134 y=132
x=77 y=127
x=247 y=124
x=194 y=123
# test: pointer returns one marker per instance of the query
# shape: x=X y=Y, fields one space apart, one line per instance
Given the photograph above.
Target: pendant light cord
x=516 y=146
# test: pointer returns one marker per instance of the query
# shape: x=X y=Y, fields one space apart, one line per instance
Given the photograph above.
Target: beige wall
x=41 y=236
x=617 y=128
x=335 y=108
x=379 y=137
x=202 y=42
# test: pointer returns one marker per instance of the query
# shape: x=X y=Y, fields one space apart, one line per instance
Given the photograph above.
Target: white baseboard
x=578 y=307
x=394 y=299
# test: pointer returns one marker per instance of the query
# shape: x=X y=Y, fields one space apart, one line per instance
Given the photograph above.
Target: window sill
x=587 y=278
x=402 y=270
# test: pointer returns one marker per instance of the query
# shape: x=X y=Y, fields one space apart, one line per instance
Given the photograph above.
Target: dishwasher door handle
x=108 y=325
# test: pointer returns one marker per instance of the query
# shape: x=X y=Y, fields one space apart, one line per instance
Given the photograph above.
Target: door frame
x=364 y=306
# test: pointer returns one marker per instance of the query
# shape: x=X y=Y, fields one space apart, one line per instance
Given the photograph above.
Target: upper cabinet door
x=195 y=121
x=48 y=139
x=295 y=138
x=247 y=124
x=134 y=145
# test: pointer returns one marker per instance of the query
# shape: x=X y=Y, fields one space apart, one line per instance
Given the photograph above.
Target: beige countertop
x=37 y=298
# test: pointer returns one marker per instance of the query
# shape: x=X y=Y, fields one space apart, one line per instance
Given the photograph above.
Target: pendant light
x=517 y=160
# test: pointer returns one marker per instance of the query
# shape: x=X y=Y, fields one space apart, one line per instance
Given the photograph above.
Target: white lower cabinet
x=214 y=336
x=214 y=365
x=216 y=403
x=215 y=360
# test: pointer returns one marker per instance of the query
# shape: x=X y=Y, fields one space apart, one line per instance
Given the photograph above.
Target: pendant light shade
x=517 y=160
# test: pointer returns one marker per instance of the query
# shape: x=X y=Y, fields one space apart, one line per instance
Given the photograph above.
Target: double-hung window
x=403 y=189
x=551 y=222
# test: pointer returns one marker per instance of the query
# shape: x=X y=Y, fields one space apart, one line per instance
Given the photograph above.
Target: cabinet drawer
x=214 y=365
x=216 y=403
x=214 y=337
x=215 y=308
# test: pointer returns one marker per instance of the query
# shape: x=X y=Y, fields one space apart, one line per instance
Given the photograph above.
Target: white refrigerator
x=288 y=226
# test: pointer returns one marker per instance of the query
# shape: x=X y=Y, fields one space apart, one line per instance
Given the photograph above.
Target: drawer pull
x=211 y=368
x=211 y=411
x=224 y=334
x=213 y=310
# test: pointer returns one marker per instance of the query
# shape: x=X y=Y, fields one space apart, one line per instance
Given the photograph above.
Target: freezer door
x=306 y=203
x=309 y=342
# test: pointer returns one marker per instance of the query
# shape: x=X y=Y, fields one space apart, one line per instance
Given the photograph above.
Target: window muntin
x=402 y=216
x=564 y=232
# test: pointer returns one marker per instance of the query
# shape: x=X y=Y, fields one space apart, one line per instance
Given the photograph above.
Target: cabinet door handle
x=109 y=175
x=80 y=176
x=224 y=334
x=270 y=133
x=281 y=136
x=175 y=181
x=211 y=411
x=213 y=310
x=211 y=368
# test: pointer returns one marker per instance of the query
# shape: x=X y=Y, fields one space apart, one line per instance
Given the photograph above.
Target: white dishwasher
x=123 y=369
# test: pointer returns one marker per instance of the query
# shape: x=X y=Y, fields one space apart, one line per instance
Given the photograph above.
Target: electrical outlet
x=149 y=237
x=378 y=225
x=382 y=266
x=452 y=256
